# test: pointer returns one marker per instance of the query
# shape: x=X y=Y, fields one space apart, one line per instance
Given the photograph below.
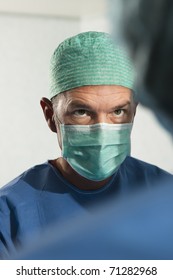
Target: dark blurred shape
x=147 y=27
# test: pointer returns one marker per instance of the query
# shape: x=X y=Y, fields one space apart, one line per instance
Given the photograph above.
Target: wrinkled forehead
x=94 y=96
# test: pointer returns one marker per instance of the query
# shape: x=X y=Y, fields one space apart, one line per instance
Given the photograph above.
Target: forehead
x=99 y=94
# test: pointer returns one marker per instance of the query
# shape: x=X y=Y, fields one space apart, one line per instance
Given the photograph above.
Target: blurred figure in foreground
x=139 y=226
x=146 y=27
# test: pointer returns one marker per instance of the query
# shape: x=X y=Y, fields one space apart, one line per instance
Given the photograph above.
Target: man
x=91 y=110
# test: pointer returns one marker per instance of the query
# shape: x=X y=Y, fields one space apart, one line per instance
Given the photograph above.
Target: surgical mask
x=95 y=151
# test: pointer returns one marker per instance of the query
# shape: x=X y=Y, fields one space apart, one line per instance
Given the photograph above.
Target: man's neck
x=74 y=178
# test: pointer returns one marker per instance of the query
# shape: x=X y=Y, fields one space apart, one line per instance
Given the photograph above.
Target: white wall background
x=26 y=44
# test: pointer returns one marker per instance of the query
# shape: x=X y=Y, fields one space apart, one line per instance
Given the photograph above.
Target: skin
x=85 y=106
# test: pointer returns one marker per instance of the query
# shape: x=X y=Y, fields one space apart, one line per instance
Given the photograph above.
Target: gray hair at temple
x=146 y=27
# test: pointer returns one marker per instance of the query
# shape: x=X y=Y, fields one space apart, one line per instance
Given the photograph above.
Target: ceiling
x=65 y=8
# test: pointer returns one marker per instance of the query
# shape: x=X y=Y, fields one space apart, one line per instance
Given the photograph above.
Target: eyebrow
x=122 y=104
x=79 y=105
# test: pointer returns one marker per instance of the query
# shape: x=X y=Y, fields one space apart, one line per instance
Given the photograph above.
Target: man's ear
x=46 y=105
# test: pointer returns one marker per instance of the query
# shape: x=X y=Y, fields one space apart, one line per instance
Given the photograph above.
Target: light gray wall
x=150 y=141
x=26 y=44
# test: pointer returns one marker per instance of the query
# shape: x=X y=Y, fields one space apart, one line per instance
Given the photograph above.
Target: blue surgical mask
x=95 y=151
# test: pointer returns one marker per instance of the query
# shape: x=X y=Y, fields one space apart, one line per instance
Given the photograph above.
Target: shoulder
x=143 y=166
x=141 y=173
x=26 y=185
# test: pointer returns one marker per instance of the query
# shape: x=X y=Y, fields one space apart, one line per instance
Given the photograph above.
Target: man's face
x=96 y=104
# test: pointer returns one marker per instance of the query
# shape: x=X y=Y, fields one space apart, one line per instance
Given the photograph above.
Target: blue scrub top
x=136 y=227
x=41 y=196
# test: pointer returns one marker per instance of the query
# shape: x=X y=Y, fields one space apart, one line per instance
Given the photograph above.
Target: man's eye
x=119 y=112
x=80 y=113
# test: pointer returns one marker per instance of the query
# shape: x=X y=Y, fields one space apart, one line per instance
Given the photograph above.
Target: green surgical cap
x=89 y=58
